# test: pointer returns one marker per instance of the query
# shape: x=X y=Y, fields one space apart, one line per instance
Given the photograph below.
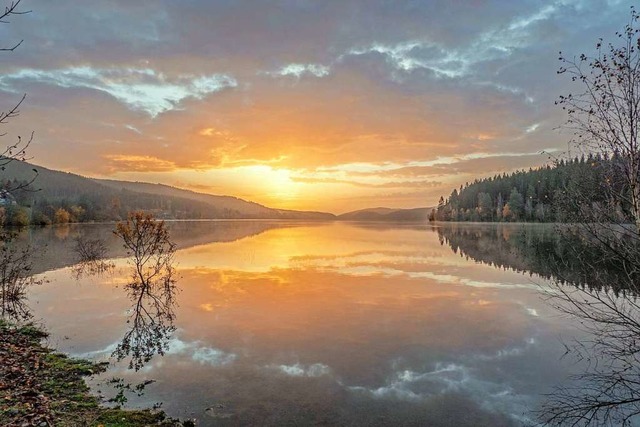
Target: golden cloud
x=138 y=163
x=387 y=184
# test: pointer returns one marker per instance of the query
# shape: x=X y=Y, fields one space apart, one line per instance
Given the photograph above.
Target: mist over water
x=324 y=323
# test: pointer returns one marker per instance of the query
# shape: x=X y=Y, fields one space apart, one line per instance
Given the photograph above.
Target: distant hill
x=226 y=203
x=90 y=199
x=387 y=214
x=103 y=200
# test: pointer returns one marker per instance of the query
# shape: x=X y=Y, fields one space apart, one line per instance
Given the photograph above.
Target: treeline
x=561 y=192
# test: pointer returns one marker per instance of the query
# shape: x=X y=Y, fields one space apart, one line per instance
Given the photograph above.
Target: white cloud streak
x=299 y=70
x=140 y=89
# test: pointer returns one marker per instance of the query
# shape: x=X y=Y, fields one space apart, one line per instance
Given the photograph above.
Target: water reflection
x=56 y=246
x=151 y=288
x=151 y=317
x=595 y=275
x=561 y=253
x=334 y=323
x=16 y=265
x=92 y=268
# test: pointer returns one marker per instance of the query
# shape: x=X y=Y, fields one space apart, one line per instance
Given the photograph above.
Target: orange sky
x=329 y=106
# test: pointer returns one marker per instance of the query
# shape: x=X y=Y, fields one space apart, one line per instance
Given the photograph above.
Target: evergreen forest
x=558 y=192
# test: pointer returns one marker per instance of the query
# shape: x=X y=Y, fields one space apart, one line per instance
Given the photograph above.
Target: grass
x=39 y=387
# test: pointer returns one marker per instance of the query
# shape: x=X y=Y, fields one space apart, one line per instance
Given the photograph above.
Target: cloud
x=133 y=129
x=298 y=370
x=299 y=70
x=387 y=184
x=447 y=62
x=141 y=89
x=138 y=163
x=408 y=56
x=411 y=167
x=471 y=166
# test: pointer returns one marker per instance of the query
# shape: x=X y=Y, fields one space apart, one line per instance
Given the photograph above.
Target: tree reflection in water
x=16 y=264
x=562 y=254
x=91 y=258
x=152 y=289
x=595 y=277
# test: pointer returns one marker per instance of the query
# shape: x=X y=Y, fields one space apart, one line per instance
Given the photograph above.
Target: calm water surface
x=357 y=324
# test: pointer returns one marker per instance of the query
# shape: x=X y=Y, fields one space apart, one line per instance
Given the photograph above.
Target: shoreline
x=42 y=387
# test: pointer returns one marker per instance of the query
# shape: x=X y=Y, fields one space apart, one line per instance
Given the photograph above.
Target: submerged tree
x=152 y=288
x=91 y=257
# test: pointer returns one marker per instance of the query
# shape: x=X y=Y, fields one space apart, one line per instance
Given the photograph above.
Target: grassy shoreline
x=41 y=387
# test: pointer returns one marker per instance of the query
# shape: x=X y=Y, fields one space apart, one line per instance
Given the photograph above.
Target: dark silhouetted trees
x=567 y=191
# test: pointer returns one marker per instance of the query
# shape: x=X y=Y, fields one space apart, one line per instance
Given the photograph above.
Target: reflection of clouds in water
x=508 y=352
x=206 y=306
x=200 y=353
x=212 y=356
x=448 y=377
x=299 y=370
x=447 y=278
x=376 y=257
x=195 y=350
x=102 y=353
x=367 y=270
x=292 y=323
x=462 y=377
x=360 y=258
x=394 y=264
x=408 y=384
x=533 y=312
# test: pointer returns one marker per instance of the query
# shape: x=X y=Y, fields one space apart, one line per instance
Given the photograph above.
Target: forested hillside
x=61 y=197
x=226 y=204
x=552 y=193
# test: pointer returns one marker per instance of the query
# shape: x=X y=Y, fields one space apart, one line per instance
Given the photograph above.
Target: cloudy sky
x=330 y=105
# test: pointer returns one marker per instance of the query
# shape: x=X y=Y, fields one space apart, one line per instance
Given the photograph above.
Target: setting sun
x=275 y=184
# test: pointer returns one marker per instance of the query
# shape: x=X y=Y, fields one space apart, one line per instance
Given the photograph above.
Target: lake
x=283 y=323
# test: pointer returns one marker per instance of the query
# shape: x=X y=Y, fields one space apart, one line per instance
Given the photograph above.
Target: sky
x=330 y=105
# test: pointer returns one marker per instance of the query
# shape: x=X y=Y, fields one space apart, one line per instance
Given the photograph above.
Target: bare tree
x=152 y=288
x=604 y=115
x=604 y=118
x=15 y=151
